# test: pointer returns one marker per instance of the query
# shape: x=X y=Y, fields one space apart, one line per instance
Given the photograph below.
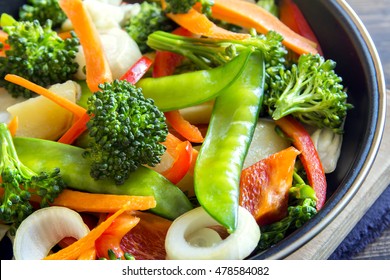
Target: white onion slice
x=44 y=228
x=185 y=229
x=328 y=145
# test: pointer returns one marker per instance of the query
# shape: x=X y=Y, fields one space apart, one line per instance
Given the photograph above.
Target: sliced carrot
x=13 y=125
x=97 y=67
x=88 y=254
x=250 y=15
x=75 y=130
x=102 y=203
x=199 y=24
x=63 y=102
x=73 y=251
x=65 y=35
x=3 y=37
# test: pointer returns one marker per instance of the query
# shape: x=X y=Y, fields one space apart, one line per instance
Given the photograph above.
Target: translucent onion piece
x=44 y=228
x=187 y=227
x=328 y=145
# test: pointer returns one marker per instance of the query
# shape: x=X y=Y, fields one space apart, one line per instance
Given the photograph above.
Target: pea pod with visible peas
x=41 y=155
x=219 y=163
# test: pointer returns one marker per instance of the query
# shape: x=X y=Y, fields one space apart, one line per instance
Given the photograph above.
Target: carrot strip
x=73 y=251
x=75 y=130
x=89 y=254
x=250 y=15
x=63 y=102
x=199 y=24
x=65 y=35
x=13 y=125
x=3 y=37
x=102 y=203
x=97 y=67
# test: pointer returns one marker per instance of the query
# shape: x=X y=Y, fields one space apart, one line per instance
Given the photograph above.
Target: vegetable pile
x=199 y=142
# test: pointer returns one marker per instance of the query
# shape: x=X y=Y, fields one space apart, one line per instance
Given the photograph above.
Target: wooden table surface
x=375 y=15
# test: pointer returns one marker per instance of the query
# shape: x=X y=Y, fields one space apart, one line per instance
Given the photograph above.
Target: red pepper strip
x=112 y=236
x=182 y=163
x=165 y=65
x=309 y=156
x=136 y=72
x=292 y=16
x=264 y=186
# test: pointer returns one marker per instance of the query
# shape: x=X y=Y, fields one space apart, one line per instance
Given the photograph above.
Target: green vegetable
x=37 y=54
x=20 y=182
x=42 y=10
x=149 y=19
x=219 y=163
x=183 y=6
x=311 y=91
x=125 y=129
x=302 y=207
x=188 y=89
x=270 y=6
x=43 y=155
x=208 y=53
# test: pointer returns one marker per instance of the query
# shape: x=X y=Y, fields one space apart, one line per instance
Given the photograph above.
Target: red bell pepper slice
x=309 y=156
x=292 y=16
x=137 y=70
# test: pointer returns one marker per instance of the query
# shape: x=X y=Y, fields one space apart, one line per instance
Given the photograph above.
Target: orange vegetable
x=250 y=15
x=13 y=125
x=89 y=254
x=73 y=251
x=111 y=238
x=264 y=186
x=63 y=102
x=102 y=203
x=184 y=127
x=199 y=24
x=78 y=127
x=65 y=35
x=97 y=68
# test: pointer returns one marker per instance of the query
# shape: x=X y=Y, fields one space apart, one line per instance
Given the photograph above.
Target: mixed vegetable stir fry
x=191 y=129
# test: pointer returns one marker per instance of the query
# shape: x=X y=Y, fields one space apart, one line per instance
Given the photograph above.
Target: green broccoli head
x=149 y=19
x=42 y=10
x=311 y=91
x=125 y=129
x=19 y=183
x=183 y=6
x=37 y=53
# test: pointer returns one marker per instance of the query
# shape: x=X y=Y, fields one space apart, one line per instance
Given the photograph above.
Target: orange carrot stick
x=75 y=130
x=89 y=254
x=199 y=24
x=13 y=125
x=73 y=251
x=102 y=203
x=250 y=15
x=63 y=102
x=97 y=68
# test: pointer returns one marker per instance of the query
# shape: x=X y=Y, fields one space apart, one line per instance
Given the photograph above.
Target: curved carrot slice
x=199 y=24
x=97 y=67
x=13 y=125
x=250 y=15
x=73 y=251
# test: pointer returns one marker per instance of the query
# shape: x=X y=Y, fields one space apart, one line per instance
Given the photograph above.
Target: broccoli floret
x=42 y=10
x=37 y=54
x=311 y=91
x=183 y=6
x=20 y=183
x=207 y=53
x=150 y=18
x=302 y=207
x=125 y=129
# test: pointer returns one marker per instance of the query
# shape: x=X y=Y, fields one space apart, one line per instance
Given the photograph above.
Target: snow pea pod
x=42 y=155
x=188 y=89
x=220 y=160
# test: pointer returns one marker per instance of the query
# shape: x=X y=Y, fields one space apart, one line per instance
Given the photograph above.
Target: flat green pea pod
x=219 y=163
x=188 y=89
x=44 y=155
